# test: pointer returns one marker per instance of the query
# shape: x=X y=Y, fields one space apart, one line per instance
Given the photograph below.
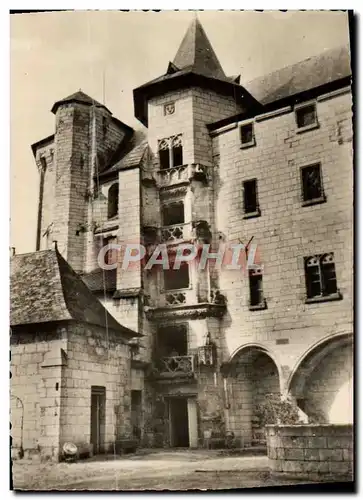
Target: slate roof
x=329 y=66
x=96 y=279
x=44 y=288
x=195 y=63
x=130 y=155
x=196 y=53
x=80 y=97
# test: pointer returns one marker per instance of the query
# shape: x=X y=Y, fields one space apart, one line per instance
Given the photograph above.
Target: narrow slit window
x=256 y=290
x=247 y=134
x=250 y=200
x=312 y=188
x=112 y=208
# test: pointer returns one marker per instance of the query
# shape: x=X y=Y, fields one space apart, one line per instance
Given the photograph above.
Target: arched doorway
x=322 y=383
x=252 y=375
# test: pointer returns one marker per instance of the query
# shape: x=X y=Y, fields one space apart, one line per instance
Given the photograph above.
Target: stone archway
x=322 y=382
x=252 y=375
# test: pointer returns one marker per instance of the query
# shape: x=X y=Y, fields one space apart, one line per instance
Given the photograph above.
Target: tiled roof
x=44 y=288
x=329 y=66
x=100 y=279
x=131 y=154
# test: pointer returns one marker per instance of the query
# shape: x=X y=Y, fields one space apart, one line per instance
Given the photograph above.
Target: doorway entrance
x=178 y=418
x=136 y=413
x=98 y=418
x=183 y=422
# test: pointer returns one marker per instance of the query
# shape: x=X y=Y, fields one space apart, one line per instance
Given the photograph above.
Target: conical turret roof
x=196 y=53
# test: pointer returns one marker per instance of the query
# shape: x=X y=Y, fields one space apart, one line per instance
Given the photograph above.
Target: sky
x=109 y=53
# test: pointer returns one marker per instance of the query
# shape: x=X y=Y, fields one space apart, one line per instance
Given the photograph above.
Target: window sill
x=258 y=307
x=313 y=126
x=315 y=201
x=247 y=145
x=326 y=298
x=251 y=215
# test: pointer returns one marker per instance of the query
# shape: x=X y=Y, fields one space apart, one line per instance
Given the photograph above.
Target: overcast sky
x=55 y=54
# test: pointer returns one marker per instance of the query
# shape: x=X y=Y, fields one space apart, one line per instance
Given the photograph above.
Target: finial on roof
x=12 y=251
x=54 y=245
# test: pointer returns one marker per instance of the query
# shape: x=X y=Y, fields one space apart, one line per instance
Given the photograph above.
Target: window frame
x=112 y=187
x=175 y=201
x=311 y=126
x=252 y=142
x=323 y=296
x=262 y=304
x=170 y=148
x=322 y=197
x=171 y=290
x=257 y=212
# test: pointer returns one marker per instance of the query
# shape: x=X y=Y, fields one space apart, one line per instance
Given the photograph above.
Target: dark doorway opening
x=179 y=429
x=136 y=413
x=98 y=418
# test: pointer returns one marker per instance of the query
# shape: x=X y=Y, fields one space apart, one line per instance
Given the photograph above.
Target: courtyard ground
x=154 y=470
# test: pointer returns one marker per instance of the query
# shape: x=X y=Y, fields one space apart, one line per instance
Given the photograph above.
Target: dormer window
x=112 y=207
x=247 y=135
x=171 y=152
x=306 y=117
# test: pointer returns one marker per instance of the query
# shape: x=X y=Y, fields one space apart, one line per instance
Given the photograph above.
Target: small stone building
x=217 y=161
x=70 y=362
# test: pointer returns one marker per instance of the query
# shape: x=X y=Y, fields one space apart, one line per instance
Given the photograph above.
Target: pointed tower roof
x=195 y=64
x=196 y=53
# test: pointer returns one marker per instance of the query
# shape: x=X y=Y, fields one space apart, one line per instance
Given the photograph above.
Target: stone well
x=316 y=452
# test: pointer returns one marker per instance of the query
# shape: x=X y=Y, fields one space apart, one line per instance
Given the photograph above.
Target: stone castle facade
x=270 y=164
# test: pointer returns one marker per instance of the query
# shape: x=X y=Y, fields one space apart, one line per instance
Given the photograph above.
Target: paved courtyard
x=157 y=470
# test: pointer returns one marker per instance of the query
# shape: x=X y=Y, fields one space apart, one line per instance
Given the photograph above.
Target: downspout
x=43 y=166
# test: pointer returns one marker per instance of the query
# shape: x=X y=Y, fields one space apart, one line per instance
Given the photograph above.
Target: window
x=112 y=208
x=312 y=188
x=177 y=279
x=250 y=199
x=172 y=340
x=306 y=117
x=171 y=152
x=320 y=276
x=173 y=213
x=247 y=135
x=257 y=300
x=111 y=255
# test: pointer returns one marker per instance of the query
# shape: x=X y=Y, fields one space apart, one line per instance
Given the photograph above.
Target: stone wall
x=95 y=360
x=37 y=359
x=286 y=232
x=52 y=371
x=311 y=451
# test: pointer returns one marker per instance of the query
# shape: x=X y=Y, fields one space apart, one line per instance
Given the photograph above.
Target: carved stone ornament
x=169 y=109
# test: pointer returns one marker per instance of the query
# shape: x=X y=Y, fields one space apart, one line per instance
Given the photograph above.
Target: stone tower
x=86 y=137
x=177 y=207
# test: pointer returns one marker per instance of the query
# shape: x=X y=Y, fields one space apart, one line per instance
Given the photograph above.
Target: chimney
x=12 y=251
x=54 y=245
